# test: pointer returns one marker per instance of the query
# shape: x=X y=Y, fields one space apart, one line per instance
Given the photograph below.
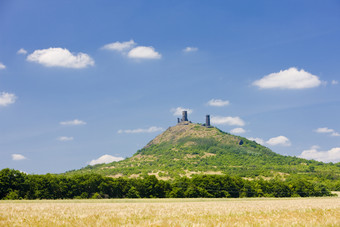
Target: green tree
x=133 y=193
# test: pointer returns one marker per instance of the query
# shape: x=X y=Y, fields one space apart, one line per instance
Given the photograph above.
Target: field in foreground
x=173 y=212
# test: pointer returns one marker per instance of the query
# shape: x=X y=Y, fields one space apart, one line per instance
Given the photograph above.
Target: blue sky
x=84 y=82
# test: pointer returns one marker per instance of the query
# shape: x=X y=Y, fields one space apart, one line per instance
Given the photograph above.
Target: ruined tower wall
x=184 y=115
x=207 y=120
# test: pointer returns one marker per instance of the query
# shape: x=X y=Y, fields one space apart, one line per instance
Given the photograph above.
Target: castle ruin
x=186 y=121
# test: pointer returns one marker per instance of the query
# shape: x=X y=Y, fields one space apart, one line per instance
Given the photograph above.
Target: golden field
x=173 y=212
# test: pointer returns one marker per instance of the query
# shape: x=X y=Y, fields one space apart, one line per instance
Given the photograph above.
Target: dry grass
x=190 y=173
x=182 y=130
x=173 y=212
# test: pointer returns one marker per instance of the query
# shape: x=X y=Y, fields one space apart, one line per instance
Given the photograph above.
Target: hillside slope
x=188 y=148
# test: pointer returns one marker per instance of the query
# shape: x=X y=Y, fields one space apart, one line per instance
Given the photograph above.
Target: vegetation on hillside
x=191 y=149
x=17 y=185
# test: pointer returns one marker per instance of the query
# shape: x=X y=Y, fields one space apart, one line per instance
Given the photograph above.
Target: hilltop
x=187 y=149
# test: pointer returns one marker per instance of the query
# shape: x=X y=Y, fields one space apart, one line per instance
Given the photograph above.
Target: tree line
x=17 y=185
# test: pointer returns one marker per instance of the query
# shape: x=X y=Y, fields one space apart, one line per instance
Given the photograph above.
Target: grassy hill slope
x=187 y=149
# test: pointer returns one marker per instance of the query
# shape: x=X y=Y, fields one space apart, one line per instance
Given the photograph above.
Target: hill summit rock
x=188 y=148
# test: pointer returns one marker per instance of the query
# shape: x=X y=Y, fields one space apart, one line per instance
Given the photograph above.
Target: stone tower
x=184 y=115
x=207 y=120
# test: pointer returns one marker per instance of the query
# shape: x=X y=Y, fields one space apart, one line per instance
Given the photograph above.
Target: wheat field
x=173 y=212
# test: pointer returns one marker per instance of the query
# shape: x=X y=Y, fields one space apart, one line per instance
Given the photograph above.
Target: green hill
x=188 y=149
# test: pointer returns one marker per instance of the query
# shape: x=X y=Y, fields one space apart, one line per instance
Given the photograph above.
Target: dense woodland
x=17 y=185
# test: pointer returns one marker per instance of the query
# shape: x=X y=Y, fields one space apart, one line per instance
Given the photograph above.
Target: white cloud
x=65 y=138
x=332 y=155
x=119 y=46
x=22 y=51
x=105 y=159
x=280 y=140
x=18 y=157
x=237 y=131
x=291 y=78
x=190 y=49
x=332 y=132
x=178 y=111
x=335 y=134
x=7 y=98
x=218 y=102
x=324 y=130
x=334 y=82
x=257 y=140
x=2 y=66
x=143 y=52
x=133 y=51
x=315 y=147
x=59 y=57
x=74 y=122
x=218 y=120
x=140 y=130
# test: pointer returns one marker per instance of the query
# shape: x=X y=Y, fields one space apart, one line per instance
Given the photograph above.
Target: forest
x=18 y=185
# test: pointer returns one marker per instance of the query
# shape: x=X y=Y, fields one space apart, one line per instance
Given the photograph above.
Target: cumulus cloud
x=141 y=130
x=22 y=51
x=130 y=49
x=218 y=102
x=120 y=46
x=291 y=78
x=178 y=111
x=65 y=138
x=329 y=131
x=280 y=140
x=237 y=131
x=257 y=140
x=335 y=134
x=143 y=52
x=18 y=157
x=218 y=120
x=105 y=159
x=332 y=155
x=334 y=82
x=60 y=57
x=74 y=122
x=324 y=130
x=7 y=98
x=190 y=49
x=2 y=66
